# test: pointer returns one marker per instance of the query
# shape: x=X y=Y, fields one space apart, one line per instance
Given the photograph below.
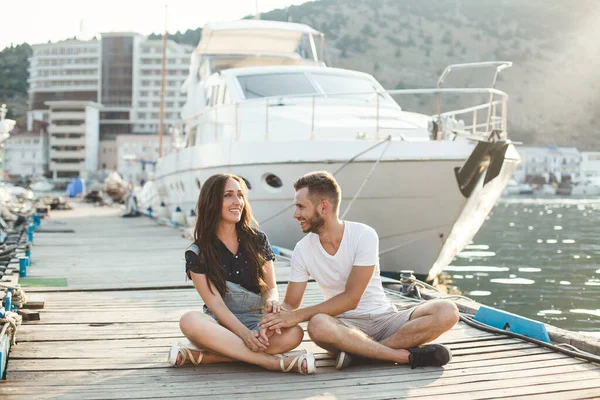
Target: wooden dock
x=107 y=333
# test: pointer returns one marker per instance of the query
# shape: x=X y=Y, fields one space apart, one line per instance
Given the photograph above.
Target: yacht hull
x=412 y=197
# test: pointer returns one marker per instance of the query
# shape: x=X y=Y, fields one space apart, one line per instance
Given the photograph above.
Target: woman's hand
x=272 y=306
x=252 y=340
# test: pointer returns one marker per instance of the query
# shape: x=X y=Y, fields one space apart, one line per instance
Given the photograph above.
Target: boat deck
x=106 y=335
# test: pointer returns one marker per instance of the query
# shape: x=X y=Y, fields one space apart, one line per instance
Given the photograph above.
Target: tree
x=13 y=70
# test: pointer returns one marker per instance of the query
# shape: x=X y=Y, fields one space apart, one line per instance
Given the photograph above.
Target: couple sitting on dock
x=231 y=266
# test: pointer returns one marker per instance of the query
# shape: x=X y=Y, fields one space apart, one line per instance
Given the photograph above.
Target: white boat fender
x=178 y=217
x=163 y=211
x=191 y=220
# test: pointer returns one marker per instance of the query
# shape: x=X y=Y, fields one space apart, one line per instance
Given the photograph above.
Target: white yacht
x=262 y=104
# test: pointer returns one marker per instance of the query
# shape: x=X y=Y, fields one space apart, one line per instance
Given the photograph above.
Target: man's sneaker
x=342 y=360
x=430 y=355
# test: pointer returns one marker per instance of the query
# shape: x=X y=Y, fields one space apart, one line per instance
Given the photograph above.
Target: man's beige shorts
x=380 y=326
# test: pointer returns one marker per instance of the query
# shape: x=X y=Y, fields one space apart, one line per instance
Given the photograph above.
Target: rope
x=564 y=348
x=18 y=295
x=388 y=139
x=11 y=321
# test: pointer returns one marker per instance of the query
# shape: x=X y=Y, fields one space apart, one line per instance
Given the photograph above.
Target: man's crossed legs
x=394 y=336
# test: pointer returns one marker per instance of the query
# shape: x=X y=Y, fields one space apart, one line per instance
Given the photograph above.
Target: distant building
x=560 y=162
x=136 y=154
x=66 y=70
x=107 y=155
x=122 y=71
x=590 y=164
x=147 y=81
x=26 y=154
x=73 y=132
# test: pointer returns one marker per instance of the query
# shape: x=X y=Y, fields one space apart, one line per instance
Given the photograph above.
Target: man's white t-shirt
x=359 y=247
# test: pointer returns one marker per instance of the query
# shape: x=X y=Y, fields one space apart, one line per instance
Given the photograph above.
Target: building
x=26 y=154
x=147 y=82
x=590 y=164
x=107 y=155
x=120 y=77
x=66 y=70
x=73 y=136
x=560 y=162
x=136 y=155
x=121 y=71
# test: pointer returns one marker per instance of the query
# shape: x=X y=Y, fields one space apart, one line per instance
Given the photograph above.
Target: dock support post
x=23 y=261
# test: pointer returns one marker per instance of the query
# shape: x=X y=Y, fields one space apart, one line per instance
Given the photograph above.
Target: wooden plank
x=35 y=301
x=29 y=315
x=549 y=388
x=381 y=371
x=568 y=394
x=107 y=349
x=229 y=372
x=158 y=360
x=439 y=382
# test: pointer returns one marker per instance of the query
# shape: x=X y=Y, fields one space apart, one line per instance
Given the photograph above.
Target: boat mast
x=161 y=126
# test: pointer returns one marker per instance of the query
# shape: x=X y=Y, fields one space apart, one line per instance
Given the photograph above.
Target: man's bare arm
x=293 y=295
x=348 y=300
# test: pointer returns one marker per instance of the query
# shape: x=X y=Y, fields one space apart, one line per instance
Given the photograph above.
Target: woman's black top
x=237 y=268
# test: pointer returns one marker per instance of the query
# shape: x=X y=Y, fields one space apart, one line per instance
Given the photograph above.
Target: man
x=356 y=317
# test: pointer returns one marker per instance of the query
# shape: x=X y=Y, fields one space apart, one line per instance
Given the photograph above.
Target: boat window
x=341 y=85
x=267 y=85
x=212 y=94
x=274 y=181
x=247 y=182
x=221 y=95
x=208 y=95
x=226 y=96
x=191 y=138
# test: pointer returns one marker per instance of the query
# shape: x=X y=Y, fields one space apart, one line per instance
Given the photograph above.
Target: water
x=539 y=258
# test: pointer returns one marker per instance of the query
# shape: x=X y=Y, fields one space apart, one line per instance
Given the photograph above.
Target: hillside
x=554 y=86
x=13 y=80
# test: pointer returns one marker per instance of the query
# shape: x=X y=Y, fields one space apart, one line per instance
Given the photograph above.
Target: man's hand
x=265 y=334
x=283 y=319
x=252 y=340
x=272 y=306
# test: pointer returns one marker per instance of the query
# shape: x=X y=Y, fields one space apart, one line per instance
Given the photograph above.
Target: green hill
x=554 y=85
x=13 y=79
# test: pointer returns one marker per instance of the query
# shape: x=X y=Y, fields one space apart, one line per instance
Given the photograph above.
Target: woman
x=231 y=265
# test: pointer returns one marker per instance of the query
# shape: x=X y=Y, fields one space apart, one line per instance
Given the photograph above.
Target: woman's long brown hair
x=209 y=211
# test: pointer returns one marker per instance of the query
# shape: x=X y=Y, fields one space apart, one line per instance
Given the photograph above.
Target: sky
x=37 y=21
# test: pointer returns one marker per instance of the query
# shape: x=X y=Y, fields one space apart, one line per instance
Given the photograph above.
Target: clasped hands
x=275 y=318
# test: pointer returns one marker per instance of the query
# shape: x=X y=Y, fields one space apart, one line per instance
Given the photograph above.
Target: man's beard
x=315 y=223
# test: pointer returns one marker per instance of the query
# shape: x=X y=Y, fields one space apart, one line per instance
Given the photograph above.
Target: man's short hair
x=321 y=185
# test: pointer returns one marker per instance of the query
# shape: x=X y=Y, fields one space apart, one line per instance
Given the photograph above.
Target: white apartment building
x=26 y=154
x=543 y=161
x=122 y=71
x=147 y=83
x=66 y=70
x=590 y=164
x=73 y=139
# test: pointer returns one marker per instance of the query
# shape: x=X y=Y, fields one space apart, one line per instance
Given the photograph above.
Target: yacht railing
x=231 y=121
